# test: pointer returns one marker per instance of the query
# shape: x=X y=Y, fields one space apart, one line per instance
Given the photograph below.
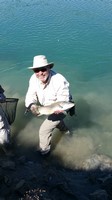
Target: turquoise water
x=76 y=36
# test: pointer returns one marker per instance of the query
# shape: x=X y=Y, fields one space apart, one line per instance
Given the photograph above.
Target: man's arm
x=63 y=90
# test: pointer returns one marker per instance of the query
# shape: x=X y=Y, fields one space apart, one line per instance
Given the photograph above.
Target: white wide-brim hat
x=40 y=61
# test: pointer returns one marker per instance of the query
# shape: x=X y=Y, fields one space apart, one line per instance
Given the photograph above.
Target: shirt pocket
x=52 y=97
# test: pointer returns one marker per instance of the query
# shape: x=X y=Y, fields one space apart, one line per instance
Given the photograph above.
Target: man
x=47 y=87
x=4 y=125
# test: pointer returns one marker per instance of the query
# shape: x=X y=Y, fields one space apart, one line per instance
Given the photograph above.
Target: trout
x=57 y=106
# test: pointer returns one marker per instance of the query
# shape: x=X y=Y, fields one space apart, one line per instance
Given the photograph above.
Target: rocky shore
x=25 y=175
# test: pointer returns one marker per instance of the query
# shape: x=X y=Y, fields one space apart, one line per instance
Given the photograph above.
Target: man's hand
x=34 y=109
x=60 y=111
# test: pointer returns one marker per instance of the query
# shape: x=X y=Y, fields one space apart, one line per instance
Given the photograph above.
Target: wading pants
x=45 y=133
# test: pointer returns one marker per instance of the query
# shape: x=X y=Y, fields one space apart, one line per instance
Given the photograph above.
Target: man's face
x=42 y=73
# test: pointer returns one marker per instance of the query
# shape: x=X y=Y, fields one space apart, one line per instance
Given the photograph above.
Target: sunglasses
x=43 y=69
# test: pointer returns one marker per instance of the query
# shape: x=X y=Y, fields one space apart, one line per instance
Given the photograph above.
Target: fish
x=57 y=106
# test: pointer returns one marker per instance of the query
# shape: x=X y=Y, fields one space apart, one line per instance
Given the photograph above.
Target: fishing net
x=9 y=107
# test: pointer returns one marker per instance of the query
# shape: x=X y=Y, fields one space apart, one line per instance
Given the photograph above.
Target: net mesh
x=9 y=107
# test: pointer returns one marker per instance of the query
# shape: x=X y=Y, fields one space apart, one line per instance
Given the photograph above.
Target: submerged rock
x=99 y=195
x=8 y=164
x=95 y=161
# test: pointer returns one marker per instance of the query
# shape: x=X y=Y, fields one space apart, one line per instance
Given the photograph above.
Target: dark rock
x=99 y=195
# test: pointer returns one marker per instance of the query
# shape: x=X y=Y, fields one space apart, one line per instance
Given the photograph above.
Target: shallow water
x=76 y=36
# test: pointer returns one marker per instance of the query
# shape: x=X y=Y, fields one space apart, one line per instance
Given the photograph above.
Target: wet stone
x=99 y=195
x=8 y=165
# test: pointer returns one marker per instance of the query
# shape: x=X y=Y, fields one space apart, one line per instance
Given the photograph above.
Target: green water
x=76 y=36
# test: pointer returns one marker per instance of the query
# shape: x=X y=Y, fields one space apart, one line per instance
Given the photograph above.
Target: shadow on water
x=83 y=116
x=21 y=121
x=26 y=127
x=27 y=175
x=80 y=120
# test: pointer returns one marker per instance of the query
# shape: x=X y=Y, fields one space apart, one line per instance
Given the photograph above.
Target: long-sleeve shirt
x=56 y=89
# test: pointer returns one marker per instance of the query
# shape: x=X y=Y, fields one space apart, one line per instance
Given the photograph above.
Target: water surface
x=76 y=36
